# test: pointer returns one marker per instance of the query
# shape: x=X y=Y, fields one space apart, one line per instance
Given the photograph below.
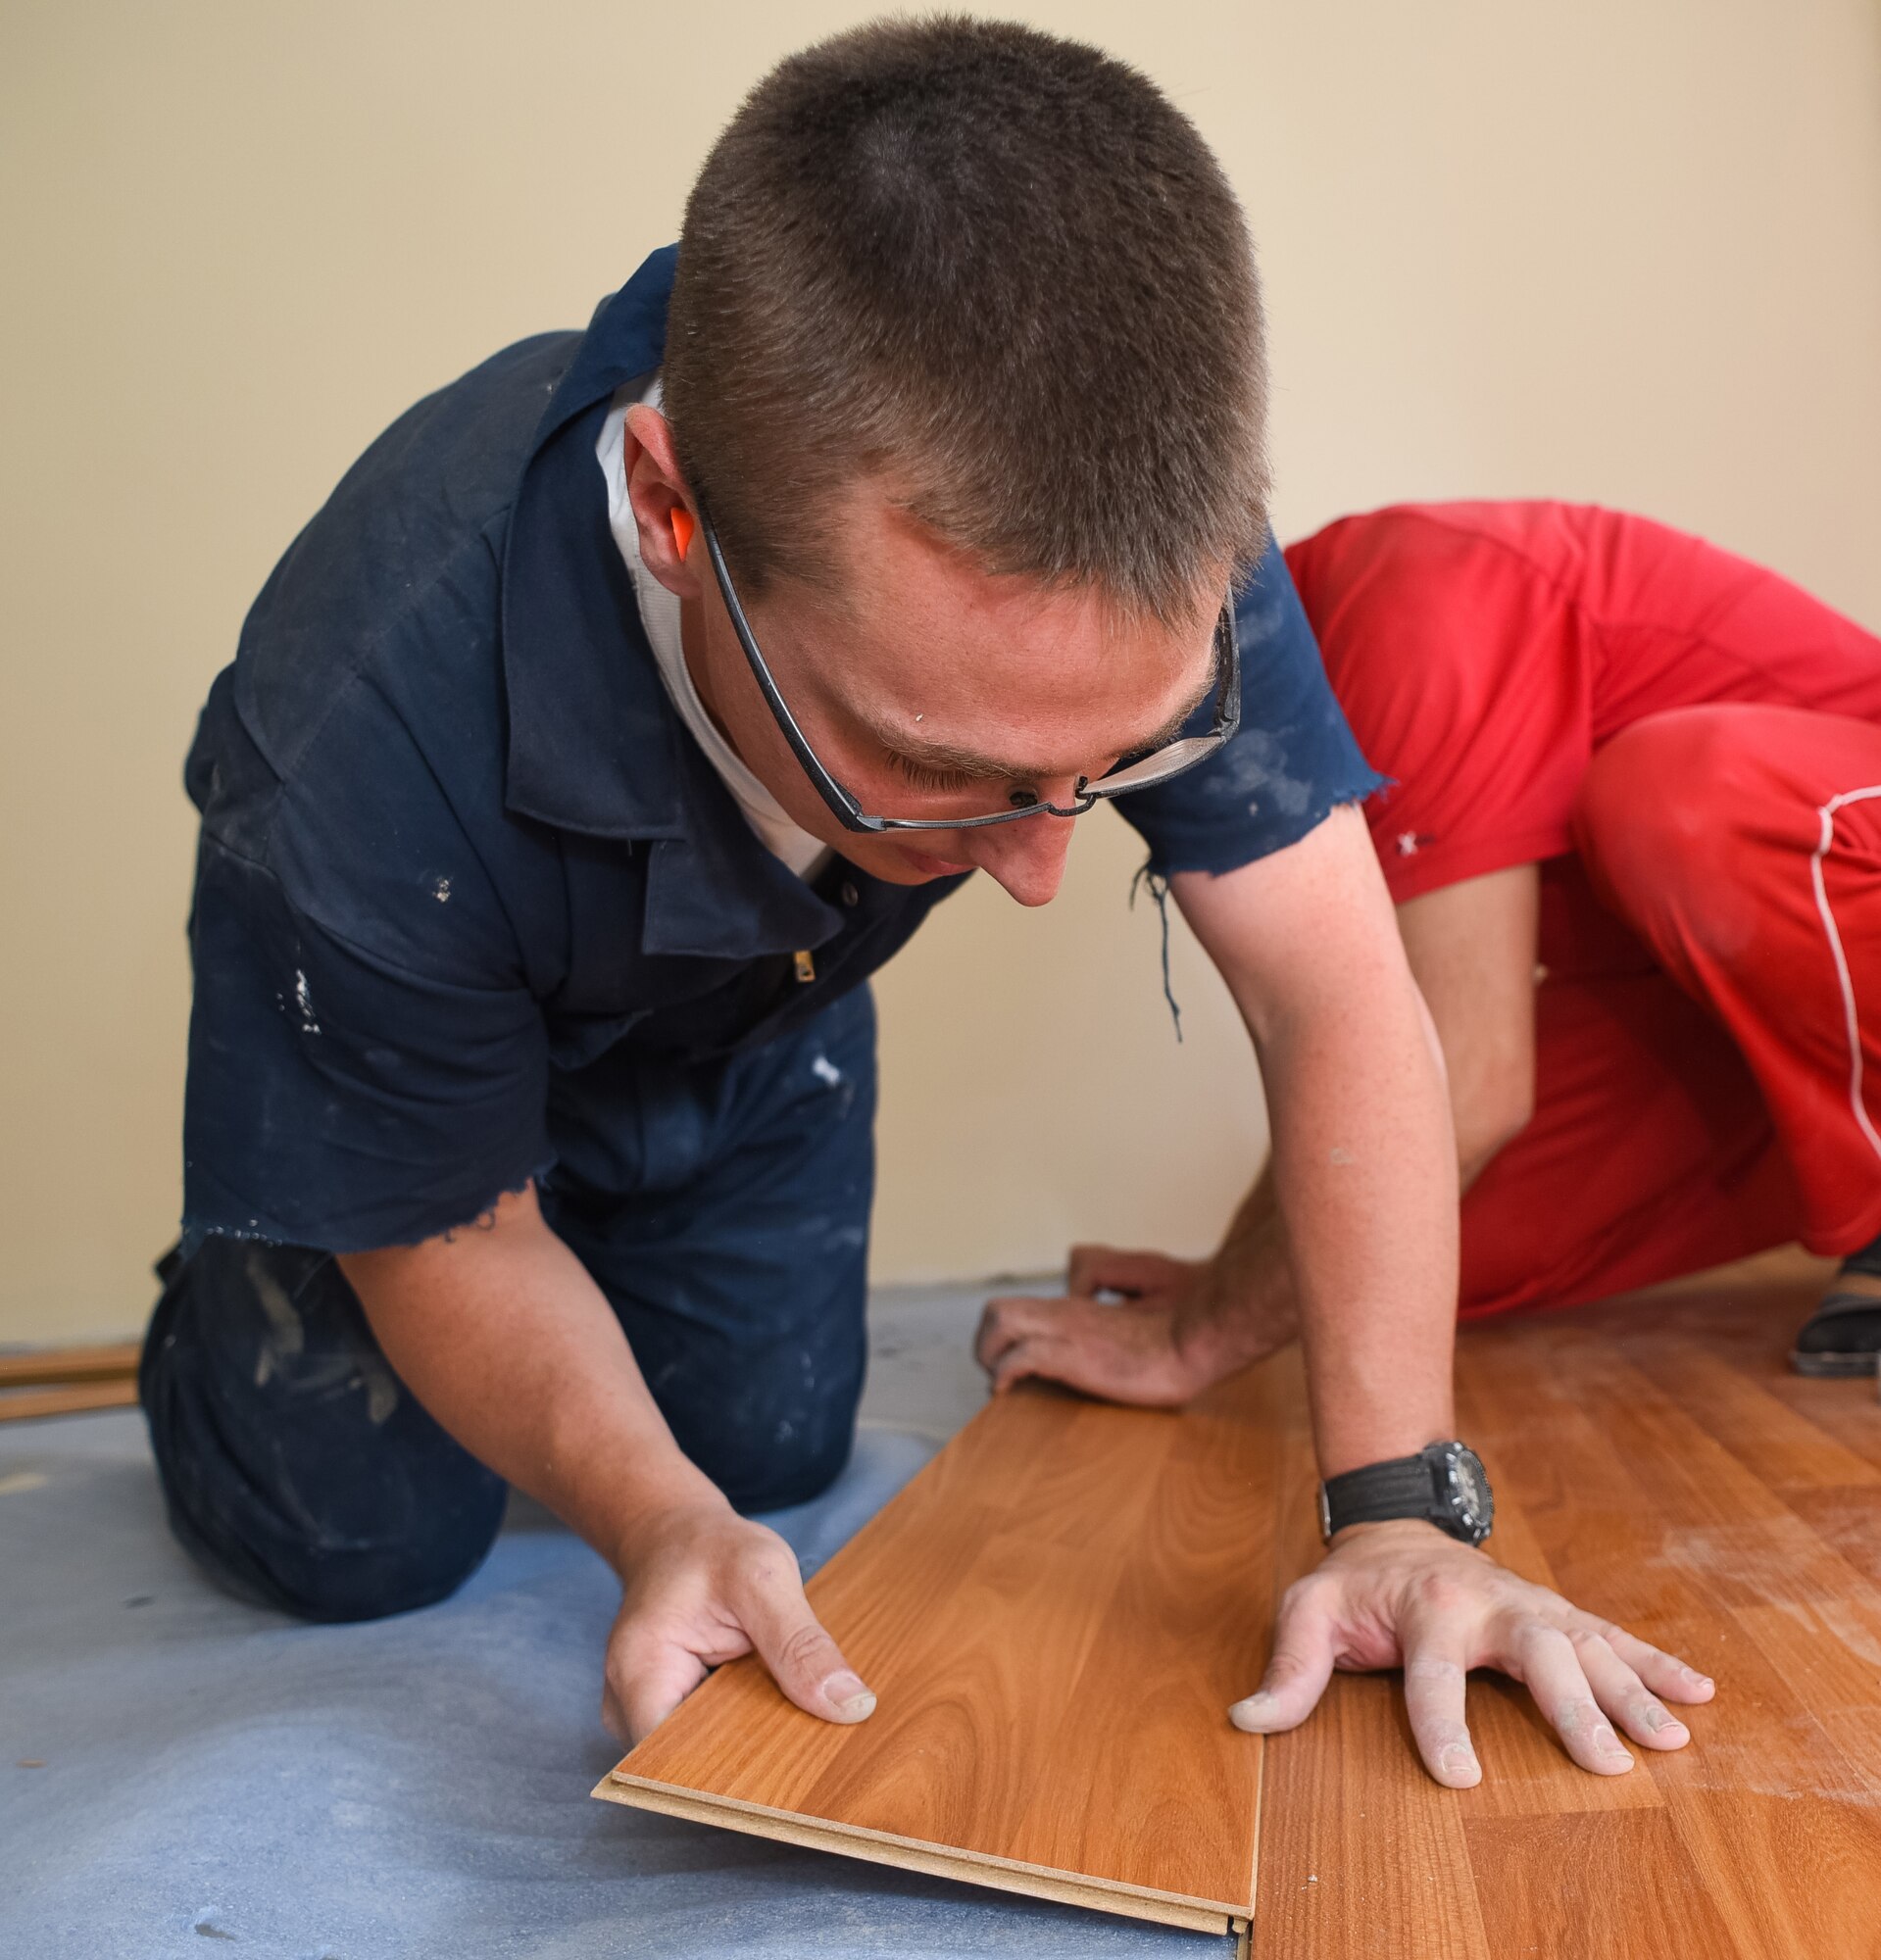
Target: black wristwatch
x=1445 y=1484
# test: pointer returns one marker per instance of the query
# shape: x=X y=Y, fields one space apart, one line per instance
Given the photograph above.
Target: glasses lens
x=1156 y=768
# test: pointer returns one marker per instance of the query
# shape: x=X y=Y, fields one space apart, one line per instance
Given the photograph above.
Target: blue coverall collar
x=595 y=744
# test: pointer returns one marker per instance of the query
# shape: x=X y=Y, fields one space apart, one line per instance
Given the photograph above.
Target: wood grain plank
x=1185 y=1637
x=1057 y=1612
x=1054 y=1616
x=27 y=1404
x=1848 y=1521
x=1596 y=1888
x=1660 y=1468
x=40 y=1367
x=1775 y=1441
x=1525 y=1771
x=1361 y=1852
x=786 y=1828
x=1844 y=1409
x=1667 y=1496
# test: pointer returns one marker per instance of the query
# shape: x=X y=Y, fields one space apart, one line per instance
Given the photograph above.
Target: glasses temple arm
x=842 y=805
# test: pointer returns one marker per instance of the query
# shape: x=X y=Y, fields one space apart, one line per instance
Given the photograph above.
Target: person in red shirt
x=1633 y=837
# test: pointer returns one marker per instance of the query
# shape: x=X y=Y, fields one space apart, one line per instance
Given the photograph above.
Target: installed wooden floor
x=1056 y=1613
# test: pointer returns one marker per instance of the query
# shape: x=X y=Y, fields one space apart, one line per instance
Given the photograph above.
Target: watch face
x=1469 y=1489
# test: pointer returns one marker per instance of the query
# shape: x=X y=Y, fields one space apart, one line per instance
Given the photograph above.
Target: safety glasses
x=1157 y=766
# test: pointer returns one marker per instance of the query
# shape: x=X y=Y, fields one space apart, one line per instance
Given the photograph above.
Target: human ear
x=663 y=512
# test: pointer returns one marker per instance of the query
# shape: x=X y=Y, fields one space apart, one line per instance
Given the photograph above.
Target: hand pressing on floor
x=1404 y=1594
x=1149 y=1345
x=703 y=1587
x=1171 y=1328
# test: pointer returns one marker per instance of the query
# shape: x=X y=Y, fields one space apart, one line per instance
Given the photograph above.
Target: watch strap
x=1402 y=1488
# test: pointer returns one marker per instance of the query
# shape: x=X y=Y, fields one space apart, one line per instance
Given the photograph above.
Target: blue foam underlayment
x=417 y=1786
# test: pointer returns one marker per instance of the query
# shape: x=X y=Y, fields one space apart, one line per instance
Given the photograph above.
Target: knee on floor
x=376 y=1579
x=349 y=1560
x=352 y=1527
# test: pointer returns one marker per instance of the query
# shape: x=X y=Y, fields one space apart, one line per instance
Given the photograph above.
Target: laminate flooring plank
x=1055 y=1616
x=786 y=1828
x=1594 y=1888
x=1844 y=1409
x=1185 y=1636
x=41 y=1367
x=1651 y=1503
x=1657 y=1465
x=1525 y=1773
x=1848 y=1521
x=27 y=1405
x=1603 y=1529
x=1361 y=1853
x=1781 y=1830
x=1780 y=1444
x=1057 y=1612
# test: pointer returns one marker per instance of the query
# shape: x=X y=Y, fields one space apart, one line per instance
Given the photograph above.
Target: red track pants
x=1708 y=1029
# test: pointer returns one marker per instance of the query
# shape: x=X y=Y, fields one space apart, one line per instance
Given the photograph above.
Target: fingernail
x=846 y=1694
x=1459 y=1761
x=1607 y=1744
x=1254 y=1713
x=1698 y=1680
x=1660 y=1719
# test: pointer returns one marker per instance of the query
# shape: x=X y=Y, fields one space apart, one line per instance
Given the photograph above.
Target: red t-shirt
x=1483 y=653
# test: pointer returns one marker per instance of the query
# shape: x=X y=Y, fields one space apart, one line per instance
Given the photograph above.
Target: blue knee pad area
x=414 y=1787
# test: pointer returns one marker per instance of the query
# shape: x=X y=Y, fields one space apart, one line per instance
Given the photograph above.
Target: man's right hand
x=504 y=1336
x=702 y=1586
x=1172 y=1331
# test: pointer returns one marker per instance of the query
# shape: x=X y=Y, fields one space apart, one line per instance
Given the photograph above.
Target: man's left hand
x=1404 y=1594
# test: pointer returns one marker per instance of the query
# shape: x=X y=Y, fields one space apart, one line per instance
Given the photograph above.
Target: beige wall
x=1628 y=250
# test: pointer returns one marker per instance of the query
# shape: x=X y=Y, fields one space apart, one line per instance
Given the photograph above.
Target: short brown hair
x=1001 y=266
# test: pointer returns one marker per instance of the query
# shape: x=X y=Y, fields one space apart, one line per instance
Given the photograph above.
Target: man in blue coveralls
x=629 y=702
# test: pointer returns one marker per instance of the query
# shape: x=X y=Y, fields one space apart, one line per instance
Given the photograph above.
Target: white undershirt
x=659 y=616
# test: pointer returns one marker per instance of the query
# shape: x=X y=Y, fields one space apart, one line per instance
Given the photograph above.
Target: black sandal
x=1843 y=1336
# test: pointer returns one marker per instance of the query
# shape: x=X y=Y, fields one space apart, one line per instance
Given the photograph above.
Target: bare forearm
x=1364 y=1159
x=1365 y=1171
x=1243 y=1303
x=505 y=1337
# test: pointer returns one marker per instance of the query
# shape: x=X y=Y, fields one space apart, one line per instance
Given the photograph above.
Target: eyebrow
x=989 y=768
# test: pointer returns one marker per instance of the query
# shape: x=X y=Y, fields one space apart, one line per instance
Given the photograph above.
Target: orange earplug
x=684 y=527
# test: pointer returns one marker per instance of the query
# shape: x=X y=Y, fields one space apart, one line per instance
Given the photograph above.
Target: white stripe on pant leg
x=1826 y=817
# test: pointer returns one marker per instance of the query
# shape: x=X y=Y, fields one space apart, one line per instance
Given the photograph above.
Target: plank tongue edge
x=1196 y=1915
